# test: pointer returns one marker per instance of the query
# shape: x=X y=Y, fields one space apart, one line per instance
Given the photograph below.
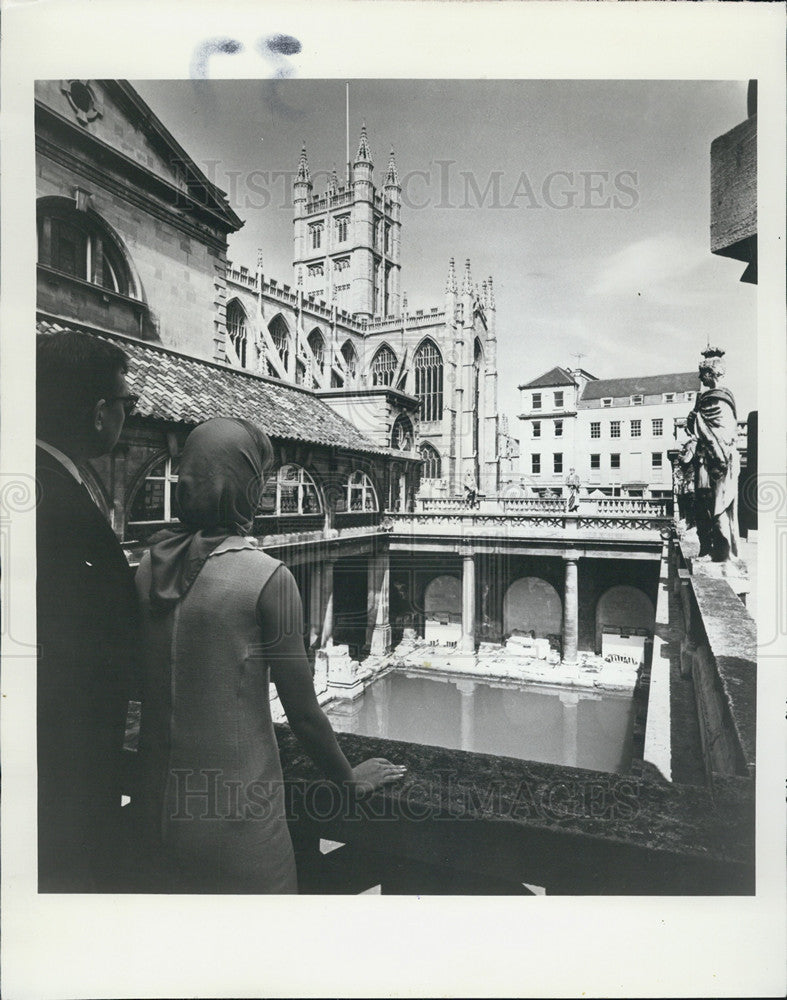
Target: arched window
x=236 y=328
x=317 y=345
x=402 y=434
x=280 y=335
x=428 y=363
x=350 y=357
x=155 y=500
x=430 y=461
x=291 y=491
x=361 y=494
x=383 y=366
x=300 y=372
x=79 y=243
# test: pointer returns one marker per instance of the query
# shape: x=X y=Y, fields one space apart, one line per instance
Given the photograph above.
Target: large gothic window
x=236 y=328
x=291 y=491
x=361 y=494
x=384 y=366
x=350 y=357
x=79 y=243
x=317 y=345
x=428 y=363
x=280 y=335
x=430 y=461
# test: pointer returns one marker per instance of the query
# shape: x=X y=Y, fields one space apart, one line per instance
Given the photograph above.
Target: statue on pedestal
x=710 y=457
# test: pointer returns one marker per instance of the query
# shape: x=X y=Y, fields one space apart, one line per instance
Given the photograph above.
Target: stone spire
x=333 y=181
x=363 y=155
x=467 y=283
x=490 y=292
x=451 y=285
x=484 y=298
x=303 y=176
x=391 y=176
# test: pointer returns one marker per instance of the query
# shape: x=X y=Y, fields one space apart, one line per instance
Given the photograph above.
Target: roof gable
x=555 y=376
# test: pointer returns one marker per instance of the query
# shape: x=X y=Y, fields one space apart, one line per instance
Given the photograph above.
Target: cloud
x=646 y=267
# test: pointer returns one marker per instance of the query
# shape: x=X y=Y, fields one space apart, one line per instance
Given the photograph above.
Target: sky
x=587 y=201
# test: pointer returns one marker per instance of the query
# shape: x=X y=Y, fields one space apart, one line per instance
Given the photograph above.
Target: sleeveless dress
x=212 y=796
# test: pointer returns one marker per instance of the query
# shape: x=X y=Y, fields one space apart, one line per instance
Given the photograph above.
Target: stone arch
x=531 y=603
x=316 y=342
x=626 y=608
x=428 y=366
x=280 y=335
x=350 y=356
x=443 y=608
x=238 y=329
x=383 y=366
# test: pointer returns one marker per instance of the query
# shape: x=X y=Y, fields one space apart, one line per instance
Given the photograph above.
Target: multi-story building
x=615 y=433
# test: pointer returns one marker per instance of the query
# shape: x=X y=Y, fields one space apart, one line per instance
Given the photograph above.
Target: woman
x=219 y=617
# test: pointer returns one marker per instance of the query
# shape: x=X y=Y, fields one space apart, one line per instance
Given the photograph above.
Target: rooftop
x=555 y=376
x=182 y=389
x=645 y=385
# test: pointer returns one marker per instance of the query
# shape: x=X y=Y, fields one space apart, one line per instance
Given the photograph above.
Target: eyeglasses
x=129 y=402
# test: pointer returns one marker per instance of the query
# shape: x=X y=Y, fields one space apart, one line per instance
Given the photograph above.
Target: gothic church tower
x=348 y=240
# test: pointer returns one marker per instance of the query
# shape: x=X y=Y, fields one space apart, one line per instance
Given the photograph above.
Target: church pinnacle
x=391 y=176
x=303 y=168
x=451 y=285
x=363 y=155
x=467 y=283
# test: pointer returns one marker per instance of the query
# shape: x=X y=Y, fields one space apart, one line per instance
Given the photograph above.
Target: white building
x=614 y=432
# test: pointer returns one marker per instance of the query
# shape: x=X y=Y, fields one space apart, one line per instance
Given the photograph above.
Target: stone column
x=378 y=618
x=467 y=643
x=570 y=702
x=467 y=691
x=326 y=637
x=570 y=610
x=315 y=604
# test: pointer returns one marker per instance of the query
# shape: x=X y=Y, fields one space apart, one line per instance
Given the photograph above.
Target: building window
x=315 y=234
x=614 y=461
x=300 y=372
x=559 y=400
x=656 y=460
x=636 y=400
x=361 y=494
x=558 y=428
x=669 y=397
x=536 y=428
x=614 y=428
x=402 y=433
x=236 y=328
x=535 y=465
x=606 y=402
x=315 y=270
x=387 y=238
x=636 y=428
x=384 y=366
x=317 y=345
x=595 y=428
x=430 y=461
x=350 y=358
x=428 y=363
x=689 y=396
x=557 y=461
x=79 y=244
x=595 y=461
x=536 y=400
x=657 y=426
x=342 y=228
x=291 y=491
x=280 y=335
x=155 y=500
x=341 y=264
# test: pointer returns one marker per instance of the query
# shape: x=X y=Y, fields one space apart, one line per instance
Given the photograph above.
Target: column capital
x=572 y=556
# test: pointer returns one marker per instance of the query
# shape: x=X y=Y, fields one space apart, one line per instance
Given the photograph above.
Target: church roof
x=555 y=376
x=641 y=385
x=178 y=388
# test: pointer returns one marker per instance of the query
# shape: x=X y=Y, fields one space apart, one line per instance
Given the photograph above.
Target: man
x=87 y=615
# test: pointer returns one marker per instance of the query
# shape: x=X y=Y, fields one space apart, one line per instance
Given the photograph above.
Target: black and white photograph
x=404 y=524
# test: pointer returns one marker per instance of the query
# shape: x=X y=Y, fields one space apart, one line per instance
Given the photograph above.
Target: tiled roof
x=181 y=389
x=644 y=385
x=555 y=376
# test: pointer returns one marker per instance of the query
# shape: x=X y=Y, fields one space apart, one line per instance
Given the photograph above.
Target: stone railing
x=469 y=823
x=623 y=511
x=461 y=521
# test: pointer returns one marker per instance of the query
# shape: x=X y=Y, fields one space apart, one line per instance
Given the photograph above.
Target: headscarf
x=220 y=483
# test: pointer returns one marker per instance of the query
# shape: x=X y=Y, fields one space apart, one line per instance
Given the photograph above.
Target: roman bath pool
x=569 y=726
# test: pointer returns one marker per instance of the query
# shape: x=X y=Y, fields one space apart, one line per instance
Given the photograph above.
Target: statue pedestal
x=734 y=571
x=345 y=676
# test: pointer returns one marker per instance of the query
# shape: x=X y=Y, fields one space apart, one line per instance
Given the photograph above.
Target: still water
x=531 y=722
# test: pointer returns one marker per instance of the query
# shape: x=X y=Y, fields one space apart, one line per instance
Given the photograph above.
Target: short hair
x=74 y=370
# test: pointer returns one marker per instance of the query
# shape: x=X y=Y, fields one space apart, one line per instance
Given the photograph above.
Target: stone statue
x=573 y=483
x=710 y=457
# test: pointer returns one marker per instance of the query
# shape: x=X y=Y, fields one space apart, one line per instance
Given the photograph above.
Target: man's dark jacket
x=87 y=622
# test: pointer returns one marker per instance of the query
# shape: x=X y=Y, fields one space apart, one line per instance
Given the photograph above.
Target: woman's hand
x=373 y=773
